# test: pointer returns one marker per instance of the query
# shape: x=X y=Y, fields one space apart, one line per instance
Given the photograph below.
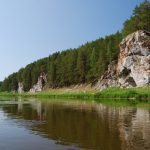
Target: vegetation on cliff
x=81 y=65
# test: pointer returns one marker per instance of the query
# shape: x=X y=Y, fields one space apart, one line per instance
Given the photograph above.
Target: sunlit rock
x=133 y=66
x=38 y=87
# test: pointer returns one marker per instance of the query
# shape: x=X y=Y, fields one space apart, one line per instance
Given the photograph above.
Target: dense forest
x=80 y=65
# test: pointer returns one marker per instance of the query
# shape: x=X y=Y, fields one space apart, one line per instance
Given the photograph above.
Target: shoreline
x=140 y=94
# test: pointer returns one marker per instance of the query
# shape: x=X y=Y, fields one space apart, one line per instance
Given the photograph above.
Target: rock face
x=108 y=79
x=42 y=80
x=133 y=67
x=20 y=87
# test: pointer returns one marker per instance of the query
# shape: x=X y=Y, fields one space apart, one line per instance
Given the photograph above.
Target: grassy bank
x=131 y=93
x=112 y=93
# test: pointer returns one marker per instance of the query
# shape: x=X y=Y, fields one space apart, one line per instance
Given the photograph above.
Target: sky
x=33 y=29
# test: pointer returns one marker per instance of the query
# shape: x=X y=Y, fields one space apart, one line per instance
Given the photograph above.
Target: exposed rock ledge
x=133 y=67
x=42 y=80
x=38 y=87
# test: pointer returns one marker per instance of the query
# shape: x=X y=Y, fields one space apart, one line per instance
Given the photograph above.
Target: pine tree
x=81 y=65
x=140 y=20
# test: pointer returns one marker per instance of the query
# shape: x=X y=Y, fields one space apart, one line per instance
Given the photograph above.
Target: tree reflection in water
x=87 y=125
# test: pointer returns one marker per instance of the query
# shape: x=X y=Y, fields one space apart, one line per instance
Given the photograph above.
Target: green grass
x=140 y=94
x=131 y=93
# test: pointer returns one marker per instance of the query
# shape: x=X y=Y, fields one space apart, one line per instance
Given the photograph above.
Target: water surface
x=64 y=125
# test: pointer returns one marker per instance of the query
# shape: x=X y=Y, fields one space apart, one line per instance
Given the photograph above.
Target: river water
x=71 y=125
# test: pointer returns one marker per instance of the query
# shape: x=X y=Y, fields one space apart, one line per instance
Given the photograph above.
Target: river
x=72 y=125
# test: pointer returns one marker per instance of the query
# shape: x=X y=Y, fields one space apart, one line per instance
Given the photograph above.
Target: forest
x=84 y=64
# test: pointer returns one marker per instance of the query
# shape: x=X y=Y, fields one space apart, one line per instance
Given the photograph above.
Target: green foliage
x=81 y=65
x=140 y=20
x=1 y=85
x=84 y=64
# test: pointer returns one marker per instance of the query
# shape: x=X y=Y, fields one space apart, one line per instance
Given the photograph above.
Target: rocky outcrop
x=42 y=80
x=109 y=78
x=133 y=66
x=20 y=87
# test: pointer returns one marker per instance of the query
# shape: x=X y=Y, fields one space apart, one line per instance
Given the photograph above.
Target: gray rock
x=133 y=67
x=38 y=87
x=109 y=79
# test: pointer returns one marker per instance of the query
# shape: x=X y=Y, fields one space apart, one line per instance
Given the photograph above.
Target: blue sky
x=33 y=29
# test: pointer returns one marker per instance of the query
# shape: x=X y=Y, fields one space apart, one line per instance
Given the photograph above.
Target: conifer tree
x=140 y=20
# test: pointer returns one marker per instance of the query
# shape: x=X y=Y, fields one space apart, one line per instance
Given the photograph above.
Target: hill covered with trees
x=80 y=65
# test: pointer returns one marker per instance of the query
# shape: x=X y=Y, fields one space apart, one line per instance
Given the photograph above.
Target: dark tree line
x=81 y=65
x=0 y=85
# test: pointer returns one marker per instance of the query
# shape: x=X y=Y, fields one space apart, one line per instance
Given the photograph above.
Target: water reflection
x=85 y=125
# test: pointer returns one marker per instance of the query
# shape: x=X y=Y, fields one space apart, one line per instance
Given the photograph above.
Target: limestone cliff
x=133 y=65
x=38 y=87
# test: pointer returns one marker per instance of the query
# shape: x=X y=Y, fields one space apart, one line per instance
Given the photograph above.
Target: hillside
x=85 y=64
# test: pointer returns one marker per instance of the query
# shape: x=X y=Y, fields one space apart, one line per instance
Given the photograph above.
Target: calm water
x=51 y=125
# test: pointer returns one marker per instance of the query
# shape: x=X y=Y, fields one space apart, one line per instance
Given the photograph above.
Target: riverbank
x=112 y=93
